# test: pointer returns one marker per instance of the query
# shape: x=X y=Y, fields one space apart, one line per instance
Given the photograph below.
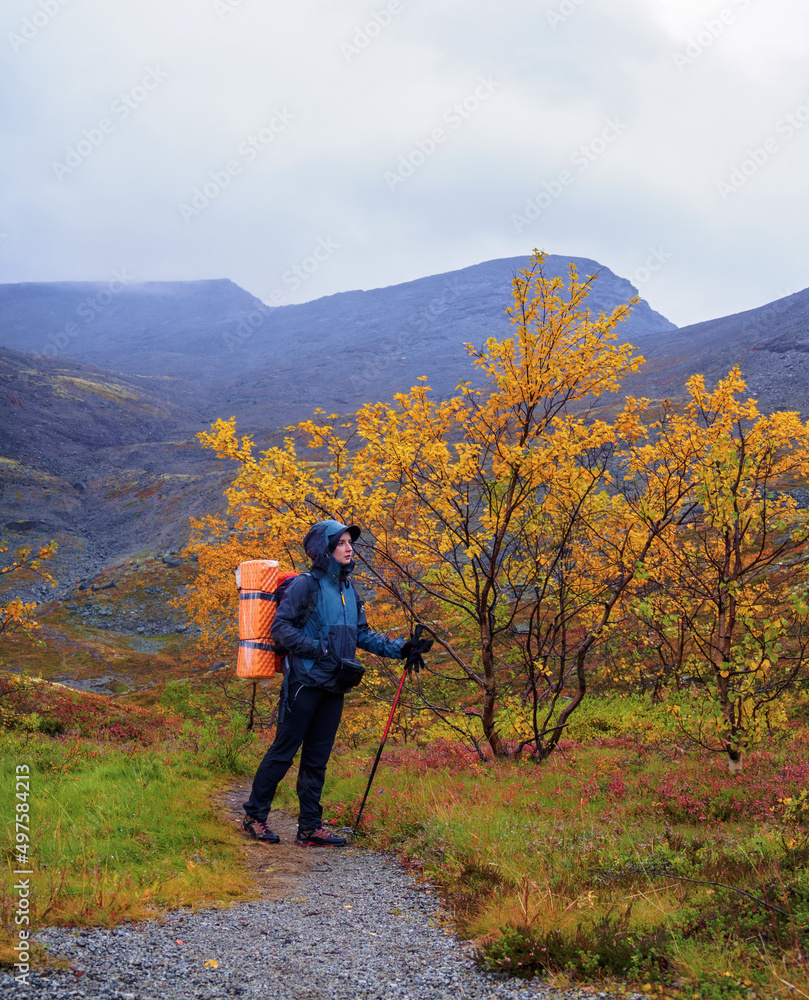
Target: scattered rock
x=801 y=498
x=105 y=684
x=214 y=667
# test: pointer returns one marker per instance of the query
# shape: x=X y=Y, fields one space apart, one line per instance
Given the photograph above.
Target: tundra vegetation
x=618 y=598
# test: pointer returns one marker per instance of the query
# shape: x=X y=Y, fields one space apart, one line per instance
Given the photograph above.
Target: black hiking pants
x=308 y=719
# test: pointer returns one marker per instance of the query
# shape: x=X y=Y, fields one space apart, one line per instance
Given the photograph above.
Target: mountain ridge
x=769 y=343
x=154 y=327
x=107 y=460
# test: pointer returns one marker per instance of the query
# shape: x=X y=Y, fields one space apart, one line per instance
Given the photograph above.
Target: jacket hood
x=316 y=544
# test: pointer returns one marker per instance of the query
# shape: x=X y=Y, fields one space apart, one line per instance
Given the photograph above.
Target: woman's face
x=344 y=550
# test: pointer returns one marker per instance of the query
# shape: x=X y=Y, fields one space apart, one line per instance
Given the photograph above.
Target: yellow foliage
x=722 y=600
x=17 y=615
x=525 y=534
x=460 y=500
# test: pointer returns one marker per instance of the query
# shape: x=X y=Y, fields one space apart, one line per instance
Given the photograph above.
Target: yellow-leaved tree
x=515 y=525
x=461 y=501
x=722 y=606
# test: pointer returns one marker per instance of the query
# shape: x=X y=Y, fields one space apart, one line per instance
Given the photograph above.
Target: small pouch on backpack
x=349 y=674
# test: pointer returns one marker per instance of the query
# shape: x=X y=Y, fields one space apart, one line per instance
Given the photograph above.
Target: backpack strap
x=312 y=594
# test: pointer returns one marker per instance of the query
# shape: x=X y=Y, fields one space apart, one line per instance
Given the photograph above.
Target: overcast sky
x=313 y=146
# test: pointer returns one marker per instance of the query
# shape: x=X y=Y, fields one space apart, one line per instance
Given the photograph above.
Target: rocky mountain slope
x=97 y=419
x=273 y=366
x=770 y=344
x=104 y=463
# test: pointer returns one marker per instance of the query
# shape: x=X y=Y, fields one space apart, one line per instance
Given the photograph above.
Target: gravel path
x=332 y=924
x=356 y=925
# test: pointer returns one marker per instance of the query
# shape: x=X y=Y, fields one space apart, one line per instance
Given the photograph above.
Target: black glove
x=412 y=652
x=417 y=646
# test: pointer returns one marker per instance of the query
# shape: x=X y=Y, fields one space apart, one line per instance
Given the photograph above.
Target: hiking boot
x=259 y=830
x=319 y=838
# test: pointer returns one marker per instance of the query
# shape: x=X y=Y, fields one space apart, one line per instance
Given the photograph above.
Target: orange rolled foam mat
x=259 y=579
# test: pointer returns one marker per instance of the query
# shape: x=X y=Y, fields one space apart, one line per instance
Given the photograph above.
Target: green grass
x=117 y=835
x=122 y=825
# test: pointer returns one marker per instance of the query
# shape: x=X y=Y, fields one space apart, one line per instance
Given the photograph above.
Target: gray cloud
x=285 y=122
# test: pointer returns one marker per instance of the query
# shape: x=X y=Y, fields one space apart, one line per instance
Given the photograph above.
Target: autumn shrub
x=614 y=715
x=223 y=744
x=189 y=700
x=55 y=709
x=363 y=722
x=694 y=794
x=592 y=949
x=796 y=704
x=176 y=697
x=18 y=616
x=616 y=859
x=795 y=809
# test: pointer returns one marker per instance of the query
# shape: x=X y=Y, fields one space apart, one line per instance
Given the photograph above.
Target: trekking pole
x=417 y=636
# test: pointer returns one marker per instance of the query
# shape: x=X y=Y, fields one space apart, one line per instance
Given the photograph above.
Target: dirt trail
x=276 y=868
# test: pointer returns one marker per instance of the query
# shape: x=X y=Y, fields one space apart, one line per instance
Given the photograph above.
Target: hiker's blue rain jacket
x=338 y=625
